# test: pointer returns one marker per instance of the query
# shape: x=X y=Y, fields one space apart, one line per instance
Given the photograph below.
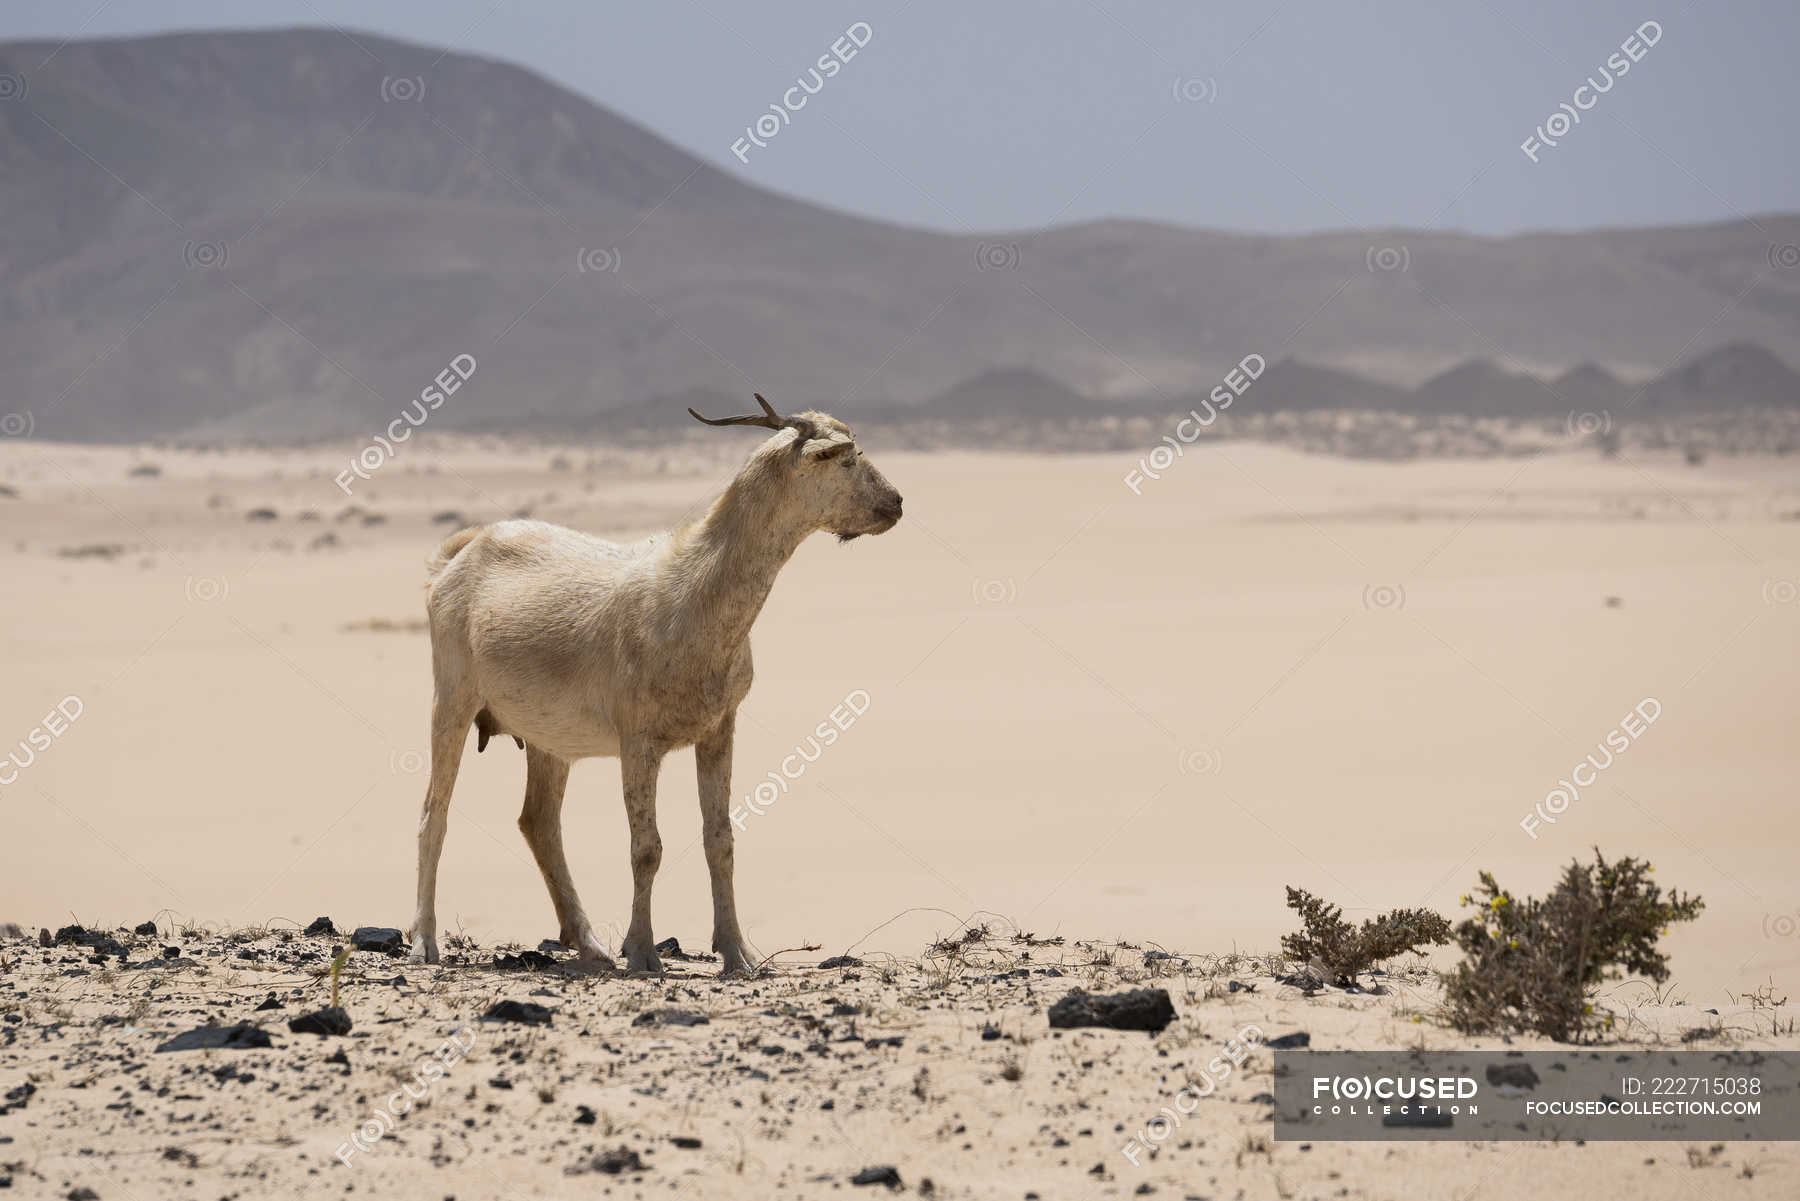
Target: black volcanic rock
x=332 y=1020
x=1140 y=1009
x=526 y=1013
x=377 y=938
x=241 y=1037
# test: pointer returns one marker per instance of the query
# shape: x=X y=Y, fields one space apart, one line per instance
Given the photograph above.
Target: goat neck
x=734 y=553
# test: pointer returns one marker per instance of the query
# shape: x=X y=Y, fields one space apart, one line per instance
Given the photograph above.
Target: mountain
x=1291 y=384
x=282 y=233
x=1591 y=388
x=1481 y=386
x=1733 y=376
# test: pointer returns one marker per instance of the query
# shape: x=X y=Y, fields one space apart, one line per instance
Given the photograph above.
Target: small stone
x=240 y=1037
x=1512 y=1075
x=148 y=928
x=841 y=961
x=670 y=1017
x=1290 y=1042
x=526 y=1013
x=524 y=961
x=269 y=1002
x=685 y=1142
x=377 y=938
x=885 y=1174
x=332 y=1020
x=321 y=928
x=612 y=1163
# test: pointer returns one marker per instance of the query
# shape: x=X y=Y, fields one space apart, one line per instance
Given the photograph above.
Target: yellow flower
x=1497 y=902
x=1587 y=1009
x=1464 y=899
x=1512 y=944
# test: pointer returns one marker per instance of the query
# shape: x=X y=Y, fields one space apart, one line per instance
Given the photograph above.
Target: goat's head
x=827 y=481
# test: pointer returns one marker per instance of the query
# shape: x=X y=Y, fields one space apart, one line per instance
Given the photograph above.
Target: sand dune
x=1087 y=712
x=1090 y=710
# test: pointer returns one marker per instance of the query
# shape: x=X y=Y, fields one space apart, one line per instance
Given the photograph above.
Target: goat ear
x=830 y=450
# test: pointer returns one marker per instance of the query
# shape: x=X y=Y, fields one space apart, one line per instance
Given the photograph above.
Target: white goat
x=575 y=647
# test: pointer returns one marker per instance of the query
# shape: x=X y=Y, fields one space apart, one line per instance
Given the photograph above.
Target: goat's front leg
x=638 y=765
x=712 y=758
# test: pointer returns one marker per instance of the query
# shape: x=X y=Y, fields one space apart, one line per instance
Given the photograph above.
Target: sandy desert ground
x=1090 y=712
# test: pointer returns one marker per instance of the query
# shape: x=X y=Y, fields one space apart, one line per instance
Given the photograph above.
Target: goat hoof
x=642 y=961
x=424 y=951
x=594 y=957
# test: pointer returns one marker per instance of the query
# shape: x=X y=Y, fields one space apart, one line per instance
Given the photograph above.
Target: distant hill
x=1736 y=376
x=281 y=233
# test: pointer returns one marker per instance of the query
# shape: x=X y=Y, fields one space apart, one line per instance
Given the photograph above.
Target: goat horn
x=767 y=419
x=800 y=425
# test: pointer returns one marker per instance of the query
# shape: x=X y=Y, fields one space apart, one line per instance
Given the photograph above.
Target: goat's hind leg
x=546 y=777
x=452 y=709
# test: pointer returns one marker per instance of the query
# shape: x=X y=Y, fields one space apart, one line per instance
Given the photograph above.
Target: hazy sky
x=1014 y=113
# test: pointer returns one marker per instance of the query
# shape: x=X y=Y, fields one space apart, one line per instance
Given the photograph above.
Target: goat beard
x=843 y=538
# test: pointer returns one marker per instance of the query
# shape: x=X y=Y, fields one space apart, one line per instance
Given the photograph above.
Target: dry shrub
x=1529 y=965
x=1345 y=950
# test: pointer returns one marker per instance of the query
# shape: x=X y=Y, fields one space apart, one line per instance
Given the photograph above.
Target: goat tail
x=448 y=550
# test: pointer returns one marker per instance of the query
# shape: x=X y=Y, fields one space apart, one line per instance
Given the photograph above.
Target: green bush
x=1530 y=965
x=1345 y=950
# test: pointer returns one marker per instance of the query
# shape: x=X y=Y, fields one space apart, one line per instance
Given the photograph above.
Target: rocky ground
x=505 y=1072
